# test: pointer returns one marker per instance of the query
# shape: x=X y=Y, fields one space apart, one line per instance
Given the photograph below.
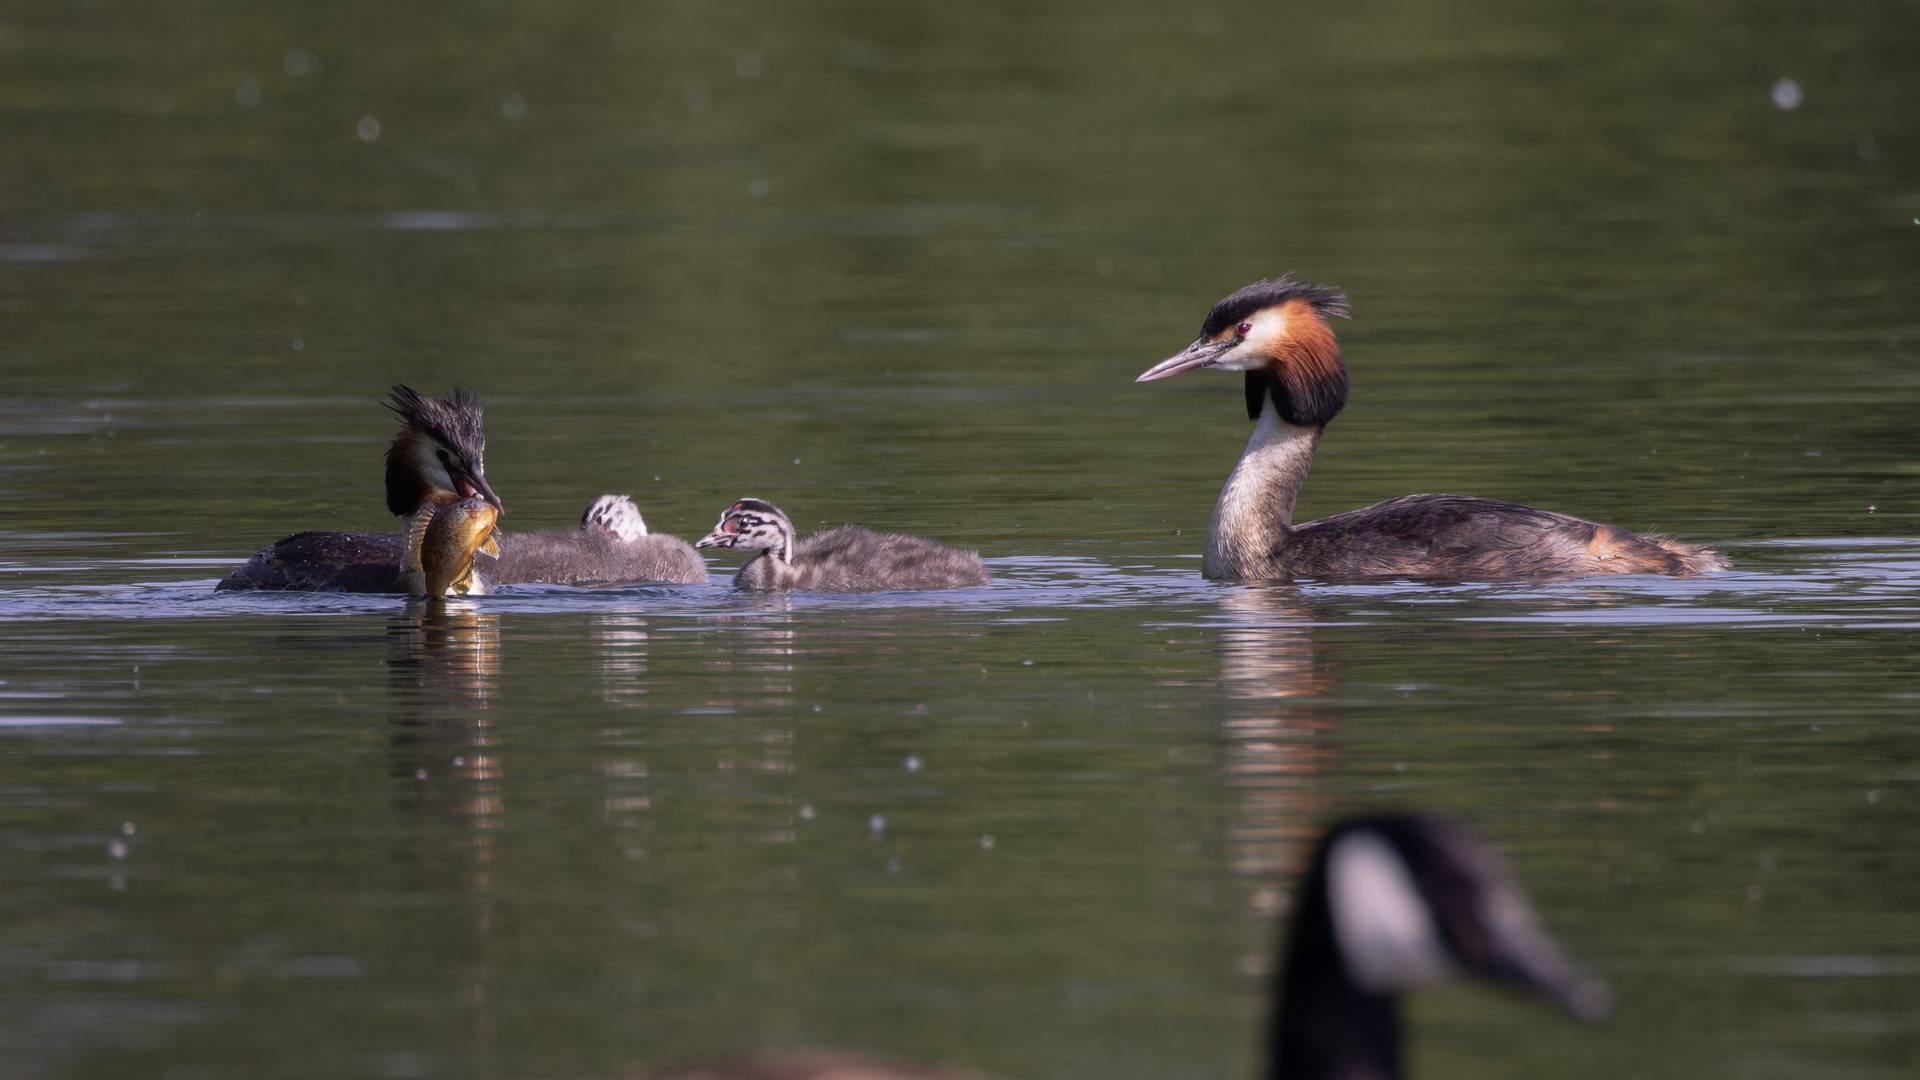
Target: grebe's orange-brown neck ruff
x=1276 y=332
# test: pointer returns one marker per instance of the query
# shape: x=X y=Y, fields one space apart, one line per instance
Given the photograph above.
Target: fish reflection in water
x=445 y=668
x=1271 y=716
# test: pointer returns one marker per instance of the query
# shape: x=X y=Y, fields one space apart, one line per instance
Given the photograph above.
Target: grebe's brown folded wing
x=1462 y=537
x=324 y=562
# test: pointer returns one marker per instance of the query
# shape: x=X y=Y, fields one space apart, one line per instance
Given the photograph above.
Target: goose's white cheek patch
x=1384 y=928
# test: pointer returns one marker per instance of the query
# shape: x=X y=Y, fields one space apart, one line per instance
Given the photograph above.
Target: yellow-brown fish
x=440 y=546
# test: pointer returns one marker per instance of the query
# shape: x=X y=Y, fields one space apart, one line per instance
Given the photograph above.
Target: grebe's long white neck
x=1253 y=518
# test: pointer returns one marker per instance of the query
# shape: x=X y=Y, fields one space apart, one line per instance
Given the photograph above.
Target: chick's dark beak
x=1202 y=353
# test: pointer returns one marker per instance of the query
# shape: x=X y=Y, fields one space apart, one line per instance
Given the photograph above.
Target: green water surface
x=898 y=264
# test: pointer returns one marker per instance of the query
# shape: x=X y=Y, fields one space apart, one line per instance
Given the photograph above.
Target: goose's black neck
x=1324 y=1027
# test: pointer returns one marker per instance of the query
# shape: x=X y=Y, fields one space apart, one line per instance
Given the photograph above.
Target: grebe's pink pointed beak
x=1197 y=355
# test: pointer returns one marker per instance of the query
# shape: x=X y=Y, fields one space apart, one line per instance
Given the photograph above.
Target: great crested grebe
x=846 y=559
x=1389 y=904
x=441 y=544
x=1276 y=332
x=437 y=458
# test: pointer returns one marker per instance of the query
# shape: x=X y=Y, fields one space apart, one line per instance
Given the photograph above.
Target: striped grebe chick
x=846 y=559
x=1389 y=904
x=441 y=543
x=1276 y=332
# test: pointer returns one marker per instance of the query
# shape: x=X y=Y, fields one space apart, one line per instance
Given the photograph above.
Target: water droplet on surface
x=514 y=106
x=1698 y=827
x=117 y=883
x=369 y=128
x=1104 y=266
x=807 y=812
x=419 y=774
x=1787 y=95
x=298 y=344
x=816 y=708
x=1873 y=796
x=913 y=763
x=747 y=65
x=247 y=93
x=1753 y=894
x=128 y=828
x=459 y=763
x=796 y=461
x=698 y=99
x=986 y=842
x=297 y=62
x=893 y=864
x=117 y=849
x=1028 y=662
x=877 y=824
x=758 y=187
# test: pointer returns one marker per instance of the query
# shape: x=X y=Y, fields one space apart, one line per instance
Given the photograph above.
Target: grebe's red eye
x=1241 y=330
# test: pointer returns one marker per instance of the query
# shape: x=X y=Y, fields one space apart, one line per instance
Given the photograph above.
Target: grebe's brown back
x=1276 y=332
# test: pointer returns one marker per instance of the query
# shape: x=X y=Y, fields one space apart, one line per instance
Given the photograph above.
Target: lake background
x=898 y=264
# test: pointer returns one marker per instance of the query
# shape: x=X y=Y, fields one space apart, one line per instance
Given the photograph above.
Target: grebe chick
x=440 y=549
x=1276 y=332
x=1389 y=904
x=610 y=547
x=846 y=559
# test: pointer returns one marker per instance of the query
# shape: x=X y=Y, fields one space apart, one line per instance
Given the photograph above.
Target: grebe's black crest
x=453 y=421
x=1326 y=300
x=440 y=452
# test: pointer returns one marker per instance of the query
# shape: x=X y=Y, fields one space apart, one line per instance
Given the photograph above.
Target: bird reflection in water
x=1273 y=719
x=444 y=667
x=623 y=658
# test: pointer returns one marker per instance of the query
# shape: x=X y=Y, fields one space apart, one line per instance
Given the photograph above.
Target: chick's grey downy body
x=581 y=557
x=1276 y=333
x=853 y=559
x=846 y=559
